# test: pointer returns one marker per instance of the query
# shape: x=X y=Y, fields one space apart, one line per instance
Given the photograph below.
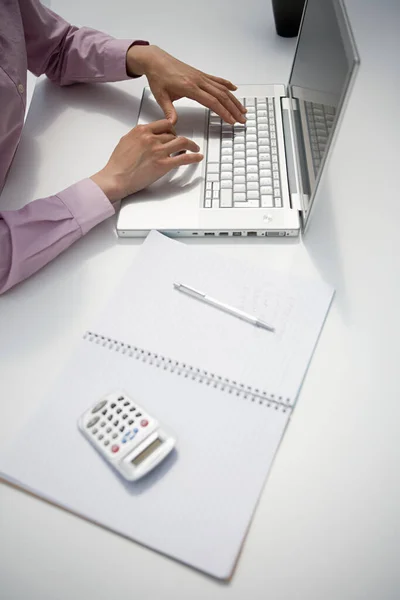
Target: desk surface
x=328 y=523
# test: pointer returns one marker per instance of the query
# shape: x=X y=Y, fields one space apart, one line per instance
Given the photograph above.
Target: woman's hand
x=171 y=79
x=142 y=156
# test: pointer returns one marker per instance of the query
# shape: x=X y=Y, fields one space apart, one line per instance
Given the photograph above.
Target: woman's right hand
x=142 y=156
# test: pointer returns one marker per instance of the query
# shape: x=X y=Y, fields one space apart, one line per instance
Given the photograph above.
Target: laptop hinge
x=288 y=105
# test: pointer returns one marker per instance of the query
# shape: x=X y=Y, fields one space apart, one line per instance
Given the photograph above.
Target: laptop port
x=274 y=233
x=252 y=233
x=194 y=233
x=237 y=233
x=209 y=233
x=223 y=233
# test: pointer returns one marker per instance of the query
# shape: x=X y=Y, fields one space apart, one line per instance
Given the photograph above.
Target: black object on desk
x=287 y=15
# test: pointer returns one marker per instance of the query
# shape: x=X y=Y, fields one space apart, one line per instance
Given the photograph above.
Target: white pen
x=224 y=307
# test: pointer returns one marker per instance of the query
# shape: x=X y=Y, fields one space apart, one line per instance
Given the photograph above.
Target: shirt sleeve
x=34 y=235
x=68 y=54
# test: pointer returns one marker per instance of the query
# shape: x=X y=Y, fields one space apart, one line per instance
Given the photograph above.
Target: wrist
x=137 y=59
x=108 y=185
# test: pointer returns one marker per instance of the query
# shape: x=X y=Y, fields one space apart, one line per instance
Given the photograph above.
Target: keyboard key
x=251 y=145
x=273 y=135
x=263 y=127
x=251 y=122
x=274 y=158
x=251 y=152
x=237 y=155
x=213 y=168
x=226 y=184
x=226 y=175
x=226 y=198
x=265 y=189
x=213 y=148
x=273 y=143
x=265 y=181
x=226 y=159
x=265 y=173
x=239 y=139
x=276 y=184
x=264 y=134
x=262 y=121
x=239 y=171
x=208 y=203
x=239 y=187
x=251 y=130
x=238 y=162
x=216 y=185
x=262 y=113
x=278 y=202
x=254 y=203
x=252 y=176
x=267 y=201
x=253 y=195
x=266 y=159
x=213 y=177
x=275 y=172
x=252 y=185
x=252 y=168
x=249 y=102
x=208 y=194
x=239 y=179
x=226 y=151
x=209 y=185
x=239 y=147
x=251 y=138
x=215 y=194
x=252 y=160
x=226 y=167
x=239 y=197
x=226 y=143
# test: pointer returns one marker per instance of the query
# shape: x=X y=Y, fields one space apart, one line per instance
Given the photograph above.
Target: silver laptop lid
x=323 y=70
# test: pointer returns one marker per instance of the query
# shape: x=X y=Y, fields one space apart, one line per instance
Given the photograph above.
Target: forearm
x=67 y=54
x=34 y=235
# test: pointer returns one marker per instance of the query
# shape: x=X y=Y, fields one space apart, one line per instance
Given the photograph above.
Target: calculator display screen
x=143 y=455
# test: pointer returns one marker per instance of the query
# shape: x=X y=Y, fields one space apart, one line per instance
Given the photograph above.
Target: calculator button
x=120 y=398
x=106 y=442
x=114 y=435
x=122 y=429
x=119 y=410
x=94 y=431
x=114 y=448
x=102 y=424
x=113 y=405
x=108 y=429
x=116 y=423
x=109 y=417
x=104 y=412
x=135 y=430
x=139 y=414
x=132 y=408
x=99 y=406
x=92 y=422
x=144 y=422
x=100 y=436
x=130 y=421
x=124 y=416
x=126 y=403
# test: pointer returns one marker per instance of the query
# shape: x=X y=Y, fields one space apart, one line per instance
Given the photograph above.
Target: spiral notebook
x=224 y=388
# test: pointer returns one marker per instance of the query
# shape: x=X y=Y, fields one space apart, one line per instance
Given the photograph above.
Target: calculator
x=126 y=435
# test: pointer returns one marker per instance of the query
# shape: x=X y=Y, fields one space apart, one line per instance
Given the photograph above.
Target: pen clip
x=189 y=290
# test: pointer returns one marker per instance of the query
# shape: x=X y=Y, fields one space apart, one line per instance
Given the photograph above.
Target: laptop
x=258 y=179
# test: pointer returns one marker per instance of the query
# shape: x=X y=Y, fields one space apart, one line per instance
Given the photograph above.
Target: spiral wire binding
x=187 y=371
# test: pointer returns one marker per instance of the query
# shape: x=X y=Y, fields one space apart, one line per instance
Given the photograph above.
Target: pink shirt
x=33 y=37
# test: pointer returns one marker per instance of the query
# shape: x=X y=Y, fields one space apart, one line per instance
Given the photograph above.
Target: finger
x=164 y=138
x=225 y=100
x=211 y=102
x=168 y=108
x=224 y=82
x=240 y=106
x=163 y=126
x=179 y=144
x=173 y=162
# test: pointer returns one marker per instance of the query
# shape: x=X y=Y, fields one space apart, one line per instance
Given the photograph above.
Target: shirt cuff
x=115 y=60
x=87 y=203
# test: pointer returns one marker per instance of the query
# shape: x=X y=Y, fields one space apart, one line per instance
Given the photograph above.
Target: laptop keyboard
x=320 y=119
x=242 y=169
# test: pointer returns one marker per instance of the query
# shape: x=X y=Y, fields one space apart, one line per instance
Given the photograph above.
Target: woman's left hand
x=170 y=79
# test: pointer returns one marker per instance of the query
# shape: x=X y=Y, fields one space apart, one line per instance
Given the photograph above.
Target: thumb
x=168 y=108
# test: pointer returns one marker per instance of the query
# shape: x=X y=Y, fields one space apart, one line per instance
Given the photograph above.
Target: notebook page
x=147 y=311
x=197 y=505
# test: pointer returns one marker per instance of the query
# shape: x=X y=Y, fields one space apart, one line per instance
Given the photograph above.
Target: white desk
x=328 y=523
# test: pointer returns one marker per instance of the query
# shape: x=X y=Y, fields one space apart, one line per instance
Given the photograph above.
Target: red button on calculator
x=114 y=448
x=144 y=422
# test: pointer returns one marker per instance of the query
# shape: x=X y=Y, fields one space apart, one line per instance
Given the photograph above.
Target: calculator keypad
x=121 y=421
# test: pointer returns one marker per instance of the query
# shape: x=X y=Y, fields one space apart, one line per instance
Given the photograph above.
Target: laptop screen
x=324 y=62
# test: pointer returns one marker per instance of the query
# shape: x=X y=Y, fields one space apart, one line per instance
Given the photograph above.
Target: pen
x=224 y=307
